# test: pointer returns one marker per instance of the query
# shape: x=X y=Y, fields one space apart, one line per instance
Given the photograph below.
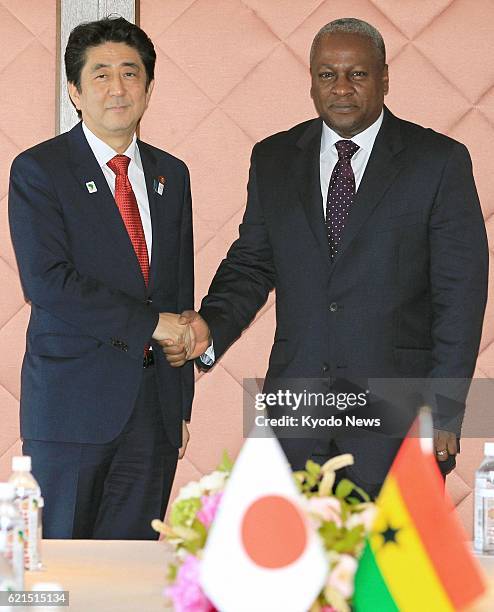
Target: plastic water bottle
x=7 y=580
x=11 y=537
x=484 y=502
x=29 y=504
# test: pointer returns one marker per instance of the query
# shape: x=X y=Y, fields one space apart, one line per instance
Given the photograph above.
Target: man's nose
x=342 y=86
x=117 y=86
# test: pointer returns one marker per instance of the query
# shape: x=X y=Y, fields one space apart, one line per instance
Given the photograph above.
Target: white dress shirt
x=103 y=154
x=329 y=156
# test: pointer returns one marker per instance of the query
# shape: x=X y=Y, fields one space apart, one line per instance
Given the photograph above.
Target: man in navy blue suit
x=101 y=224
x=369 y=228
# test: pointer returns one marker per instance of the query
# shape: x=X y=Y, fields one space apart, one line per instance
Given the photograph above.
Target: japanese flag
x=262 y=554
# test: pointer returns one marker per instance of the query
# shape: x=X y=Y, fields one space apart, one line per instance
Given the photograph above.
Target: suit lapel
x=150 y=168
x=381 y=170
x=307 y=177
x=100 y=205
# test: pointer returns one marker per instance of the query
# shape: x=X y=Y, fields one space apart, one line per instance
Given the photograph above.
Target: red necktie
x=127 y=205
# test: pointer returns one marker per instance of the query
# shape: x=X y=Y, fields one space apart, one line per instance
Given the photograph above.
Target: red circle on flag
x=273 y=532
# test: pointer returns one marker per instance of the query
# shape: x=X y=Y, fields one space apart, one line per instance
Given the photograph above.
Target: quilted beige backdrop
x=229 y=73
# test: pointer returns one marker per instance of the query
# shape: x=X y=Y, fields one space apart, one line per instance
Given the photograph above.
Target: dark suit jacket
x=406 y=293
x=91 y=314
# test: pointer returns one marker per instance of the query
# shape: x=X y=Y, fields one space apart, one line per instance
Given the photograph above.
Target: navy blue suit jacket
x=91 y=314
x=406 y=293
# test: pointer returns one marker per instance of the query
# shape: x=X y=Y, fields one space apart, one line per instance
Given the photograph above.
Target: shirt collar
x=104 y=152
x=365 y=140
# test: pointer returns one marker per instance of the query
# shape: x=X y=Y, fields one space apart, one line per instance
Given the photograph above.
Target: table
x=128 y=576
x=486 y=604
x=106 y=575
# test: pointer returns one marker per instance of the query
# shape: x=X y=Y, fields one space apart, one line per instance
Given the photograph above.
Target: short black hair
x=109 y=29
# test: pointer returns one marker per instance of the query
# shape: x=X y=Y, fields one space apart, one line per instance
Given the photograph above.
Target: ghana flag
x=416 y=557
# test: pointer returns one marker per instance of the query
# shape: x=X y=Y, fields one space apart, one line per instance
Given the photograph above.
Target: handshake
x=182 y=336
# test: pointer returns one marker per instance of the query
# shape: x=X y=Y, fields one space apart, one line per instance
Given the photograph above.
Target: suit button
x=149 y=301
x=325 y=368
x=333 y=307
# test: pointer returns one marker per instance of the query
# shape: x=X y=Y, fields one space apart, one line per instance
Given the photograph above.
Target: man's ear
x=149 y=92
x=74 y=95
x=385 y=79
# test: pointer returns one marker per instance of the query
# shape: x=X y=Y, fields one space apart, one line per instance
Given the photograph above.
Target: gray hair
x=350 y=25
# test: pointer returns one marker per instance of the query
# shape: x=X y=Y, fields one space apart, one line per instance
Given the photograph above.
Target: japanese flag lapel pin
x=159 y=184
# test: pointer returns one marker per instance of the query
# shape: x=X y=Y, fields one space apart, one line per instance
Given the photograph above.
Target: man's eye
x=130 y=74
x=101 y=76
x=325 y=75
x=359 y=73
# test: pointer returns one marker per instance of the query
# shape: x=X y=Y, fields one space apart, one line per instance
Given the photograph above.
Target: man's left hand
x=185 y=440
x=444 y=444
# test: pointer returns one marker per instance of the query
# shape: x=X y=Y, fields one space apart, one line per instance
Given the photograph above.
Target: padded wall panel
x=27 y=116
x=229 y=73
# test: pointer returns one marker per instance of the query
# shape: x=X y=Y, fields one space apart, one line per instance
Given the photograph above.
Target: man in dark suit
x=370 y=230
x=102 y=229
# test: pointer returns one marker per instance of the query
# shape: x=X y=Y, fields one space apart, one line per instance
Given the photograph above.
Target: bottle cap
x=489 y=449
x=21 y=464
x=47 y=586
x=7 y=491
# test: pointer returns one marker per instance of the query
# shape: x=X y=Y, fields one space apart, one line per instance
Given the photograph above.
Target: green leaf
x=344 y=488
x=312 y=481
x=190 y=546
x=365 y=496
x=350 y=539
x=329 y=533
x=184 y=512
x=226 y=464
x=172 y=571
x=202 y=532
x=313 y=468
x=299 y=477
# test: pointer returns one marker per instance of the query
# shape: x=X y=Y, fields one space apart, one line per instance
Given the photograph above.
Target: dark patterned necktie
x=341 y=194
x=127 y=205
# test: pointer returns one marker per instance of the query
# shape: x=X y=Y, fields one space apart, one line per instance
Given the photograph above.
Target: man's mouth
x=342 y=108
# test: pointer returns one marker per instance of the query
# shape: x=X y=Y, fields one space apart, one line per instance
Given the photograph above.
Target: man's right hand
x=200 y=338
x=170 y=330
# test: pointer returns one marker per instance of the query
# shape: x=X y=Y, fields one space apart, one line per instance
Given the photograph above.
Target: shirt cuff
x=208 y=357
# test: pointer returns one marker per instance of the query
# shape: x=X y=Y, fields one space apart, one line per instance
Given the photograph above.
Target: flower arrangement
x=341 y=514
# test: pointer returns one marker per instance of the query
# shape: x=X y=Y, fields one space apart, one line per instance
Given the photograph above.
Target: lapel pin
x=91 y=187
x=159 y=184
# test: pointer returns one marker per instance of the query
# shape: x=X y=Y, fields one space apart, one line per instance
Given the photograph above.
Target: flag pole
x=426 y=430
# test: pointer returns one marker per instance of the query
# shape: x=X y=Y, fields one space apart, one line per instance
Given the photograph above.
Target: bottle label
x=29 y=509
x=12 y=549
x=484 y=519
x=18 y=557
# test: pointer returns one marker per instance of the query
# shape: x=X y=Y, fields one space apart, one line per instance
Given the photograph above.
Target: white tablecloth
x=128 y=576
x=106 y=575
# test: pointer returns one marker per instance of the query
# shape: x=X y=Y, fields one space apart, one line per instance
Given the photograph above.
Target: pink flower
x=326 y=508
x=186 y=593
x=209 y=508
x=328 y=609
x=342 y=575
x=365 y=517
